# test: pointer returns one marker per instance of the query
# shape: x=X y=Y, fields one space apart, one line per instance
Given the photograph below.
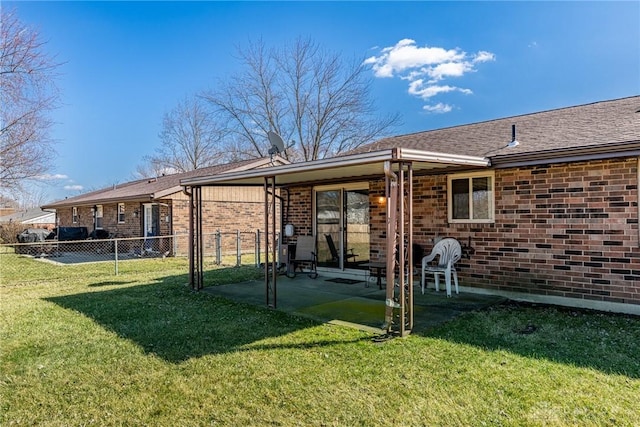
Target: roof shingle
x=149 y=188
x=599 y=123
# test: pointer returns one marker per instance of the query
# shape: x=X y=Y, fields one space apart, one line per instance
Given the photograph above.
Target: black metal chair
x=348 y=253
x=305 y=253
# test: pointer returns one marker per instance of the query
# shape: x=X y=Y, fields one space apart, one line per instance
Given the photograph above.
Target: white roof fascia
x=432 y=157
x=255 y=165
x=395 y=154
x=313 y=165
x=41 y=219
x=261 y=162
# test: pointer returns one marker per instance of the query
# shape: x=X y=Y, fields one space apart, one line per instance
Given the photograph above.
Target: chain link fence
x=230 y=248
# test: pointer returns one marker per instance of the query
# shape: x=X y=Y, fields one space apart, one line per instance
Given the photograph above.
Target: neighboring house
x=545 y=204
x=8 y=206
x=31 y=218
x=158 y=207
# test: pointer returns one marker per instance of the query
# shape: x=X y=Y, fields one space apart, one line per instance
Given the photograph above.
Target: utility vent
x=514 y=142
x=152 y=180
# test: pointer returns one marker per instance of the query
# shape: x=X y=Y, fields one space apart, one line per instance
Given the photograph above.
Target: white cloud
x=427 y=90
x=413 y=63
x=73 y=187
x=438 y=108
x=405 y=55
x=49 y=177
x=484 y=56
x=449 y=69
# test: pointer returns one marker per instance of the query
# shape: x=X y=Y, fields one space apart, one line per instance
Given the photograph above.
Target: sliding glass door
x=356 y=235
x=342 y=226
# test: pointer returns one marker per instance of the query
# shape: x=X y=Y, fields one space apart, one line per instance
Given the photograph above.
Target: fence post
x=175 y=244
x=218 y=245
x=257 y=251
x=115 y=250
x=238 y=249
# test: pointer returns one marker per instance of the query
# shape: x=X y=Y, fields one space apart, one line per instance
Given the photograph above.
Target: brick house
x=159 y=207
x=30 y=218
x=545 y=204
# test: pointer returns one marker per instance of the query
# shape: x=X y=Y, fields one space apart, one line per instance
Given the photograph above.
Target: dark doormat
x=345 y=281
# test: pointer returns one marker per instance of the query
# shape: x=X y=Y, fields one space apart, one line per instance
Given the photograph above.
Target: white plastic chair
x=449 y=252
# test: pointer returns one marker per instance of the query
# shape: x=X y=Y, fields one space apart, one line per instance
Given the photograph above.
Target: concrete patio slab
x=354 y=304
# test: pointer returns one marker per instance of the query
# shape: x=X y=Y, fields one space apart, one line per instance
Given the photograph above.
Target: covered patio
x=360 y=305
x=396 y=167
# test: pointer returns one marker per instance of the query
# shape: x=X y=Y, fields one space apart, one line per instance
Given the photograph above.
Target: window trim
x=74 y=215
x=99 y=213
x=492 y=197
x=121 y=214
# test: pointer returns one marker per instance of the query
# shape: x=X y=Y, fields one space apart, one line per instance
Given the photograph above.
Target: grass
x=80 y=346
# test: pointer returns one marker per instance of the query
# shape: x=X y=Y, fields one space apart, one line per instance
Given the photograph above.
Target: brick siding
x=568 y=230
x=131 y=227
x=299 y=212
x=228 y=217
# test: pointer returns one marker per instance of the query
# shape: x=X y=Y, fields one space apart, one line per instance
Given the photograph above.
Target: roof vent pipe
x=514 y=142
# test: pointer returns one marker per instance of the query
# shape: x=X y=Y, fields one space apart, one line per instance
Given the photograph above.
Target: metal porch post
x=275 y=245
x=399 y=294
x=391 y=193
x=406 y=236
x=192 y=281
x=270 y=262
x=197 y=196
x=196 y=278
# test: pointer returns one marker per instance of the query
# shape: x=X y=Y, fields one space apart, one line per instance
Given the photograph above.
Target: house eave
x=101 y=201
x=335 y=168
x=567 y=155
x=165 y=193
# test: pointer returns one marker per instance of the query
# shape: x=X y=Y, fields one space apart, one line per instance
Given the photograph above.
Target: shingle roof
x=150 y=188
x=596 y=124
x=34 y=215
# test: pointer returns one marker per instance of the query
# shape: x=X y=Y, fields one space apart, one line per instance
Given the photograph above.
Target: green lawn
x=79 y=346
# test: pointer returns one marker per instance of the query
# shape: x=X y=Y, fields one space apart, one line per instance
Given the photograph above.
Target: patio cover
x=342 y=167
x=396 y=165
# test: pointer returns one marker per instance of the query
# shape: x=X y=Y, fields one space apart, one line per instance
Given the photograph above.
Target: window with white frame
x=98 y=214
x=120 y=213
x=470 y=197
x=74 y=215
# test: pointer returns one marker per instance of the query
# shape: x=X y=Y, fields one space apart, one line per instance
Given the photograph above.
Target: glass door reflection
x=342 y=226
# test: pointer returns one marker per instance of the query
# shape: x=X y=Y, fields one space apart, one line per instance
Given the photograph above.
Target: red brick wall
x=299 y=212
x=567 y=230
x=228 y=210
x=131 y=227
x=226 y=217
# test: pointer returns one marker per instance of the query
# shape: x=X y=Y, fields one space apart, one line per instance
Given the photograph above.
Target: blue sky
x=438 y=64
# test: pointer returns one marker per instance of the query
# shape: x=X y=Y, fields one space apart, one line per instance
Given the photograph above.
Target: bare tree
x=27 y=94
x=150 y=170
x=191 y=138
x=35 y=197
x=311 y=97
